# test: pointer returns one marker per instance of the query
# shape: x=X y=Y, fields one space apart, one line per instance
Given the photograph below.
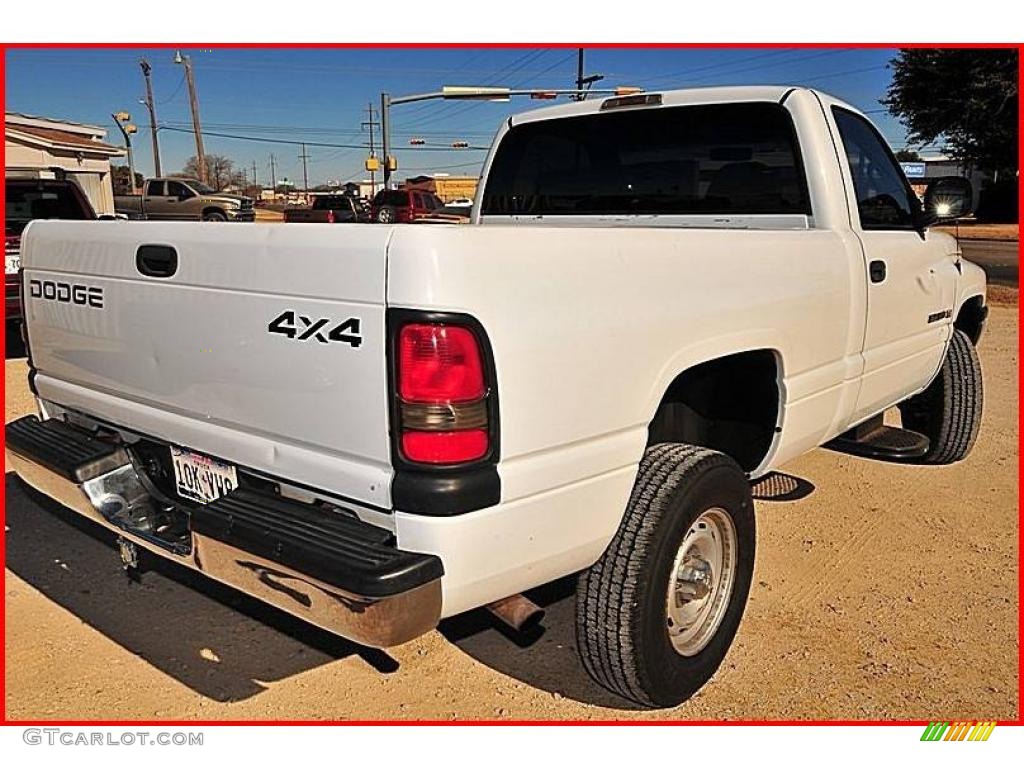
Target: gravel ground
x=886 y=592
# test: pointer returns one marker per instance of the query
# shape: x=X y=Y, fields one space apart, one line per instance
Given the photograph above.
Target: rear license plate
x=201 y=478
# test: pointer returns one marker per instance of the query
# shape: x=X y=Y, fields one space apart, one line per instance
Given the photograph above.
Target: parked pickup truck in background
x=184 y=200
x=329 y=209
x=25 y=200
x=660 y=298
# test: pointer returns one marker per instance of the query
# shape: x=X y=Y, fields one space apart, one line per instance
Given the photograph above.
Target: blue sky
x=321 y=95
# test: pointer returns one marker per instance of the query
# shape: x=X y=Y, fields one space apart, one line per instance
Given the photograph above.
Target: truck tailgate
x=197 y=358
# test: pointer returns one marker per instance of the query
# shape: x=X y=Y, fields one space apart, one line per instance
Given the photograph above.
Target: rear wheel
x=386 y=215
x=657 y=613
x=948 y=413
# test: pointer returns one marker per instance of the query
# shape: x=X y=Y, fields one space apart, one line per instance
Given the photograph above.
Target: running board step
x=70 y=451
x=878 y=441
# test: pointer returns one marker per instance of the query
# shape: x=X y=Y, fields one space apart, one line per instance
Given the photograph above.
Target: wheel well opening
x=212 y=209
x=971 y=319
x=730 y=405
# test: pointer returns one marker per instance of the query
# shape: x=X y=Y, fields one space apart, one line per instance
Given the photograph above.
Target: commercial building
x=446 y=187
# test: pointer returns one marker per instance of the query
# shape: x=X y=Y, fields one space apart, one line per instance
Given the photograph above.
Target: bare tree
x=220 y=171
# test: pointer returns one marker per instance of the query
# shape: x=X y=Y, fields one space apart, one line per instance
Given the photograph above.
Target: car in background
x=184 y=200
x=329 y=209
x=402 y=206
x=25 y=200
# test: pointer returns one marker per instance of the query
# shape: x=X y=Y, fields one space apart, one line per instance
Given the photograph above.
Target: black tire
x=214 y=216
x=621 y=620
x=948 y=413
x=386 y=215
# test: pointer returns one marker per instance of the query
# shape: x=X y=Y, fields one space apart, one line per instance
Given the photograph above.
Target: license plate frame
x=200 y=478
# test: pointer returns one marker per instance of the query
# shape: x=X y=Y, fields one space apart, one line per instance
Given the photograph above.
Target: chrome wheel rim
x=701 y=582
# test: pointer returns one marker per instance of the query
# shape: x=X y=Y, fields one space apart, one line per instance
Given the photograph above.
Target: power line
x=177 y=90
x=451 y=110
x=296 y=143
x=731 y=70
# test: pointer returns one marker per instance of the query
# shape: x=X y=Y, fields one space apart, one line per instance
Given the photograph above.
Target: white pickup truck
x=660 y=298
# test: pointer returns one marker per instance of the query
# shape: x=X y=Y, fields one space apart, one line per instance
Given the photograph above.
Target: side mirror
x=948 y=198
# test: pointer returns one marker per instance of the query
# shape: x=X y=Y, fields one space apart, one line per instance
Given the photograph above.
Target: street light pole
x=127 y=129
x=194 y=104
x=146 y=70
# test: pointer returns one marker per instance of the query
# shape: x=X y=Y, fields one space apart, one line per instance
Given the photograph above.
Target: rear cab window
x=25 y=201
x=331 y=203
x=392 y=197
x=737 y=159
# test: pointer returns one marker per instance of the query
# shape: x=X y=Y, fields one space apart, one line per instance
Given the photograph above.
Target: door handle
x=156 y=260
x=876 y=270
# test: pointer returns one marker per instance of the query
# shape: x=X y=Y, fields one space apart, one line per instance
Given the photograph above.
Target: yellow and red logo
x=968 y=730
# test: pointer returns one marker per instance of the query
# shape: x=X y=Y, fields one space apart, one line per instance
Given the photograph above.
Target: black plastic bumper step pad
x=329 y=546
x=883 y=442
x=69 y=451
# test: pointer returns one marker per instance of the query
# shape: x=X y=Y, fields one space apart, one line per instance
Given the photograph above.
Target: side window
x=417 y=200
x=155 y=189
x=884 y=199
x=177 y=189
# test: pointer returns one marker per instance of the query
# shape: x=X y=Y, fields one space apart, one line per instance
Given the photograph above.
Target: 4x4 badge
x=306 y=328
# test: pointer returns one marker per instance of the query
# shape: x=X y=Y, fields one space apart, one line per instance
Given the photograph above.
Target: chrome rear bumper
x=391 y=607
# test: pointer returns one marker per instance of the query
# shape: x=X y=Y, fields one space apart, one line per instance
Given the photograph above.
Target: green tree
x=965 y=97
x=120 y=178
x=907 y=156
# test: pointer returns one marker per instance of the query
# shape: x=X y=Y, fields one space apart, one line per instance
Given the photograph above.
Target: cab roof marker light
x=635 y=100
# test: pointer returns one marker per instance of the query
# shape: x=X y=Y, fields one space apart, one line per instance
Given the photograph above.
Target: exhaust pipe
x=517 y=611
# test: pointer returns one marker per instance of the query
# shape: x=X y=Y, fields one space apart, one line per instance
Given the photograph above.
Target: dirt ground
x=886 y=592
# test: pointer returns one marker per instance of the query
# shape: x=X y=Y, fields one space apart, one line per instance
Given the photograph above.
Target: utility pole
x=146 y=70
x=305 y=173
x=583 y=80
x=579 y=71
x=273 y=178
x=385 y=138
x=371 y=124
x=193 y=100
x=254 y=182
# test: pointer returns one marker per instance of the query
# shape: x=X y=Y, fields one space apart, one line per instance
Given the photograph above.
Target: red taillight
x=445 y=447
x=442 y=394
x=439 y=364
x=330 y=217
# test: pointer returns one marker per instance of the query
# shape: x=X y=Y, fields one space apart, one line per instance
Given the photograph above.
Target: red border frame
x=272 y=45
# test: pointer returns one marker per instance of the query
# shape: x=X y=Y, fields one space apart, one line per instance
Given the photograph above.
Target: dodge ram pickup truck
x=660 y=299
x=184 y=200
